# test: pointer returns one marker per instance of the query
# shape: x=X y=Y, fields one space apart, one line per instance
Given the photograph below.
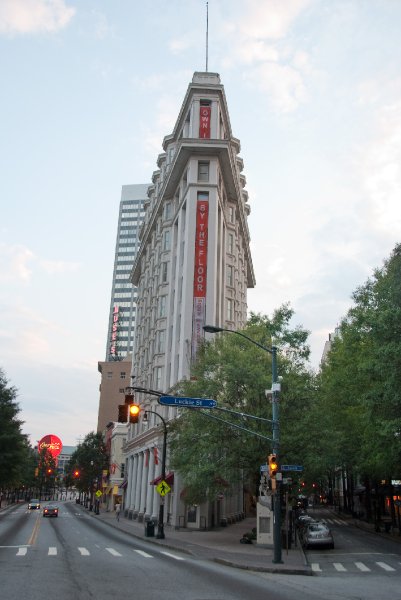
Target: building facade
x=123 y=294
x=115 y=377
x=193 y=267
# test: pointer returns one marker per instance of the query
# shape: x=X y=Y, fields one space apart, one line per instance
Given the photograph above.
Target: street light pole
x=160 y=525
x=276 y=433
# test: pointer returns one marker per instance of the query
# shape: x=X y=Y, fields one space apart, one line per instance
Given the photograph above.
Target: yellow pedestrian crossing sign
x=98 y=493
x=163 y=488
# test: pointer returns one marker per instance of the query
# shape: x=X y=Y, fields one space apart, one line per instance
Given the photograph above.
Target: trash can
x=150 y=529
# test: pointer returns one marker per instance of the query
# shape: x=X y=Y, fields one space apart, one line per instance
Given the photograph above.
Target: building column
x=142 y=482
x=128 y=495
x=150 y=488
x=137 y=484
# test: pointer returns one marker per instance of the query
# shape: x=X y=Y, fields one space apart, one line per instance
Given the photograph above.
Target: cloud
x=34 y=16
x=273 y=65
x=14 y=263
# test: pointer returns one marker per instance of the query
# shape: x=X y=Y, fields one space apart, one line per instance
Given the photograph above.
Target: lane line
x=113 y=552
x=22 y=551
x=385 y=566
x=52 y=551
x=362 y=567
x=316 y=567
x=173 y=556
x=143 y=553
x=84 y=551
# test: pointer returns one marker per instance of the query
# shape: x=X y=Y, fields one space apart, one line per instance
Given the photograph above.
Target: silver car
x=34 y=504
x=317 y=535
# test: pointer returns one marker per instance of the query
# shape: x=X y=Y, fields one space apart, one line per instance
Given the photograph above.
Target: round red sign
x=52 y=443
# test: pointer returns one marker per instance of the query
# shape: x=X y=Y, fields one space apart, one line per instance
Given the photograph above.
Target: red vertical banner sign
x=204 y=121
x=200 y=270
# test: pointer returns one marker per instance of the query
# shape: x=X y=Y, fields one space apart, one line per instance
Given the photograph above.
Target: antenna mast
x=207 y=33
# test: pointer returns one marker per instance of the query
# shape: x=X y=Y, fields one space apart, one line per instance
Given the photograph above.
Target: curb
x=276 y=570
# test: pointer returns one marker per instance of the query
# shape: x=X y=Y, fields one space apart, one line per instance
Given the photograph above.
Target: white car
x=34 y=504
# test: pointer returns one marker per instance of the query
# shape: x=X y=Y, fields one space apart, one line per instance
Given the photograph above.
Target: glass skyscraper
x=123 y=294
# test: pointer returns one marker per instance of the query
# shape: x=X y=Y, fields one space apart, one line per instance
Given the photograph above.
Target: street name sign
x=291 y=468
x=188 y=402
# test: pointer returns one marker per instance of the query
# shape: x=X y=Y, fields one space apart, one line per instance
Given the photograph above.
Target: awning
x=169 y=478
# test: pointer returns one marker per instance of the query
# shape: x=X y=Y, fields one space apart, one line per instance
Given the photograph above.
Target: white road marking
x=84 y=551
x=385 y=566
x=113 y=552
x=22 y=551
x=142 y=553
x=52 y=551
x=339 y=567
x=362 y=567
x=173 y=556
x=316 y=567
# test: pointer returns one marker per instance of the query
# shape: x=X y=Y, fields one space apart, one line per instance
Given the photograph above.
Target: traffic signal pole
x=276 y=448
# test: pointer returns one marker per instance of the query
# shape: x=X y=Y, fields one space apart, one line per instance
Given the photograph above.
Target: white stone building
x=193 y=267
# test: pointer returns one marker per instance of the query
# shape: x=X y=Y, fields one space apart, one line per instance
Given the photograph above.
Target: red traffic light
x=76 y=473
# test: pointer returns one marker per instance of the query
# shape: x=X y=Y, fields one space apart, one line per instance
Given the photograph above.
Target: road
x=77 y=557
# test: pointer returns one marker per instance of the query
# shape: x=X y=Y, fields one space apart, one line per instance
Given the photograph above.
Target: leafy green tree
x=359 y=398
x=210 y=454
x=89 y=459
x=14 y=446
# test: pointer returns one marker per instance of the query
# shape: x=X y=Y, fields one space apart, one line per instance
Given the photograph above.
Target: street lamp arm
x=213 y=329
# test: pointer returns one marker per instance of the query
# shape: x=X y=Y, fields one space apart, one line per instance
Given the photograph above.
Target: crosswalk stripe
x=52 y=551
x=385 y=566
x=83 y=551
x=362 y=567
x=339 y=567
x=142 y=553
x=22 y=551
x=113 y=552
x=173 y=556
x=316 y=567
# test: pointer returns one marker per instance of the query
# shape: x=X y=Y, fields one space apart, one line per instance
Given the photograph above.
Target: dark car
x=50 y=511
x=34 y=504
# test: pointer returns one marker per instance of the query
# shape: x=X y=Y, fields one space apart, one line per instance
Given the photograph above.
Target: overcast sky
x=89 y=90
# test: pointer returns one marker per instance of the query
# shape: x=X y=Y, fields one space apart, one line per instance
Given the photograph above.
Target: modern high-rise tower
x=193 y=267
x=123 y=294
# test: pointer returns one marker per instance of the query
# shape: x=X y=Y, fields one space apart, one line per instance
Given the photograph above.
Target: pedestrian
x=118 y=508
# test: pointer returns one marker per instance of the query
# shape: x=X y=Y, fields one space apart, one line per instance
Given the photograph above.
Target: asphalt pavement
x=221 y=545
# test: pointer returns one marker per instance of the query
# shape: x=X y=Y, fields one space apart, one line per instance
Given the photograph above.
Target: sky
x=89 y=88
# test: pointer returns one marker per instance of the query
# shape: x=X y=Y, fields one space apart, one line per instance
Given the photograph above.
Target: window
x=164 y=272
x=162 y=306
x=231 y=214
x=167 y=211
x=161 y=341
x=109 y=374
x=122 y=375
x=230 y=310
x=203 y=171
x=157 y=377
x=230 y=243
x=230 y=275
x=166 y=240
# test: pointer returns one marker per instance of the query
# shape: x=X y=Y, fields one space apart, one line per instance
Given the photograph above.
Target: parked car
x=34 y=504
x=50 y=511
x=316 y=535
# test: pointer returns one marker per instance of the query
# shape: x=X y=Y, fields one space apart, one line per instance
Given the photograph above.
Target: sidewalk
x=221 y=545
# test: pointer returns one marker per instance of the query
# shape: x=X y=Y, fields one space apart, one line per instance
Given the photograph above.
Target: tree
x=89 y=460
x=14 y=446
x=360 y=384
x=209 y=454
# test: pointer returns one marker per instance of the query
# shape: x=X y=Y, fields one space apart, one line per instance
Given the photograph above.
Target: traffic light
x=273 y=466
x=76 y=473
x=49 y=471
x=122 y=413
x=134 y=411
